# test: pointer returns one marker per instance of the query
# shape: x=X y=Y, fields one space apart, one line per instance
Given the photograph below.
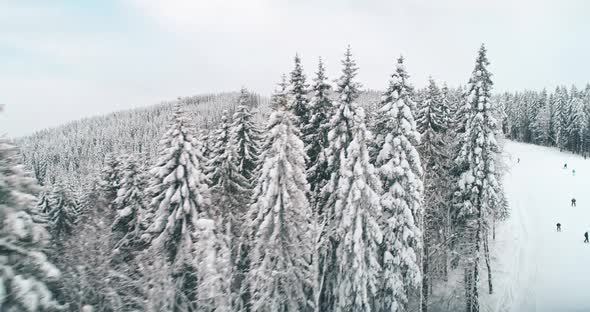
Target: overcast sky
x=62 y=60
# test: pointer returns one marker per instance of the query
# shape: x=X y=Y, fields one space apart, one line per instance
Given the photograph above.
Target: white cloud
x=208 y=16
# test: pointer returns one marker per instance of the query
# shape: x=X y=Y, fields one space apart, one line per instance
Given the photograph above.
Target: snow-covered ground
x=537 y=268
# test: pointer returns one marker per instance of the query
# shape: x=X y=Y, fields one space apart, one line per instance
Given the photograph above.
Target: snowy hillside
x=539 y=269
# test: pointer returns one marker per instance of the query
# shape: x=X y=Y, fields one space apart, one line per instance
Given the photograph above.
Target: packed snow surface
x=536 y=267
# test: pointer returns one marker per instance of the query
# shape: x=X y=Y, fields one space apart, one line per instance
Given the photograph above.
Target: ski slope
x=537 y=268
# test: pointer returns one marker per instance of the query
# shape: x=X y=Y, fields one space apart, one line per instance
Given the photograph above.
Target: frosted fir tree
x=130 y=224
x=110 y=177
x=231 y=194
x=221 y=137
x=446 y=108
x=577 y=126
x=350 y=202
x=212 y=258
x=297 y=90
x=431 y=114
x=356 y=224
x=339 y=137
x=479 y=190
x=281 y=94
x=27 y=278
x=231 y=190
x=64 y=212
x=315 y=133
x=180 y=197
x=563 y=107
x=280 y=254
x=400 y=169
x=246 y=136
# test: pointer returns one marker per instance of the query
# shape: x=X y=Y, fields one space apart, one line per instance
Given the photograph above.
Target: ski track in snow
x=535 y=267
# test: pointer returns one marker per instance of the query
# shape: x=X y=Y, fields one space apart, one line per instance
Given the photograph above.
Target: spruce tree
x=27 y=278
x=400 y=169
x=478 y=189
x=281 y=250
x=222 y=141
x=350 y=201
x=64 y=212
x=180 y=197
x=563 y=108
x=211 y=258
x=111 y=177
x=298 y=101
x=316 y=131
x=245 y=135
x=130 y=217
x=281 y=94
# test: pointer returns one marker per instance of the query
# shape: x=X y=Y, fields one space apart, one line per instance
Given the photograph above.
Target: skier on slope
x=565 y=166
x=518 y=161
x=573 y=202
x=586 y=237
x=558 y=227
x=573 y=172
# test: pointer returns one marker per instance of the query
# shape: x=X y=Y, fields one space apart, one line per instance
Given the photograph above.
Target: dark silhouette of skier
x=586 y=237
x=518 y=161
x=573 y=202
x=565 y=166
x=558 y=227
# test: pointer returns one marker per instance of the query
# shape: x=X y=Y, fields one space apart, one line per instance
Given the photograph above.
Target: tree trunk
x=488 y=264
x=425 y=281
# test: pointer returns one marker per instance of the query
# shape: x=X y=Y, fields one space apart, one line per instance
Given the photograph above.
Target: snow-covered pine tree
x=63 y=213
x=221 y=137
x=544 y=123
x=211 y=257
x=281 y=93
x=563 y=108
x=400 y=169
x=339 y=137
x=246 y=136
x=577 y=125
x=110 y=177
x=279 y=276
x=130 y=217
x=478 y=188
x=231 y=194
x=298 y=101
x=446 y=108
x=316 y=131
x=433 y=125
x=357 y=224
x=180 y=197
x=350 y=201
x=27 y=278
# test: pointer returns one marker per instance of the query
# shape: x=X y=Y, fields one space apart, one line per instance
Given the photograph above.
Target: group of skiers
x=573 y=204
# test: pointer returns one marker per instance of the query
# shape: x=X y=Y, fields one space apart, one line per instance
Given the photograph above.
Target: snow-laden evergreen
x=479 y=193
x=180 y=198
x=246 y=136
x=130 y=221
x=64 y=211
x=316 y=131
x=350 y=201
x=298 y=99
x=26 y=276
x=400 y=170
x=280 y=274
x=212 y=257
x=221 y=139
x=281 y=94
x=110 y=177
